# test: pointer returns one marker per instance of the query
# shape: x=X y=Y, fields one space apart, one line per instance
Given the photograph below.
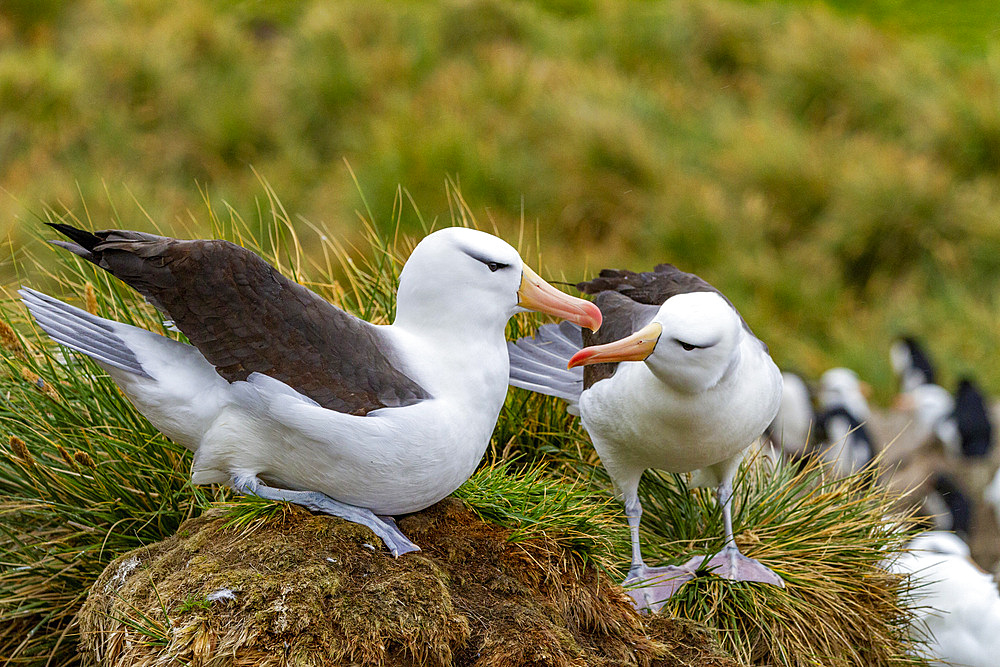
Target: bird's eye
x=493 y=266
x=687 y=346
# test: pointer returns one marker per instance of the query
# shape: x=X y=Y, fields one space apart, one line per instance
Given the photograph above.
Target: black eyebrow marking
x=491 y=263
x=691 y=346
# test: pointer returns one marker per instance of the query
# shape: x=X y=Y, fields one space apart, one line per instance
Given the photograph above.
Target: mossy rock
x=300 y=589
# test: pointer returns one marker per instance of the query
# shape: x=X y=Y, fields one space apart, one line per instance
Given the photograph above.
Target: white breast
x=638 y=420
x=392 y=461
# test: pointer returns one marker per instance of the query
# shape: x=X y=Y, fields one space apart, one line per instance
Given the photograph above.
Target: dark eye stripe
x=490 y=264
x=689 y=346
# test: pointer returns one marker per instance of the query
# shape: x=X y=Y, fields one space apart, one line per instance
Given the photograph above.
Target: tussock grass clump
x=83 y=477
x=531 y=504
x=826 y=537
x=305 y=589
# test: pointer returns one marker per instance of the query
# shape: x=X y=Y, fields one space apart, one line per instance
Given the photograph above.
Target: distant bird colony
x=958 y=607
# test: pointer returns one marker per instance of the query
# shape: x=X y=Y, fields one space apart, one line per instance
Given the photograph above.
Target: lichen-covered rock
x=300 y=589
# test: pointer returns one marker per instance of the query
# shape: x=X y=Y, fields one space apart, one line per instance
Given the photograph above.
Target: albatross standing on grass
x=674 y=380
x=285 y=396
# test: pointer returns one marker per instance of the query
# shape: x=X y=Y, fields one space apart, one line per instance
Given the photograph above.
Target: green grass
x=838 y=182
x=83 y=477
x=970 y=25
x=528 y=502
x=826 y=537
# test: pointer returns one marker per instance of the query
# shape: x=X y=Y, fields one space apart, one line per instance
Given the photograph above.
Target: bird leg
x=394 y=540
x=649 y=587
x=730 y=563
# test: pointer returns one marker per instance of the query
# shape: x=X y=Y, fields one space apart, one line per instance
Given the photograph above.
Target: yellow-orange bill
x=536 y=294
x=636 y=347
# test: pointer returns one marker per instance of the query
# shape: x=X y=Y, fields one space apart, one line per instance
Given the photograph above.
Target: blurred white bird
x=932 y=408
x=956 y=605
x=793 y=425
x=911 y=363
x=948 y=507
x=843 y=387
x=844 y=413
x=991 y=494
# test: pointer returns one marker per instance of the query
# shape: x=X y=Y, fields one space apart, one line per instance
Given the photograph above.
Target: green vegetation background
x=835 y=171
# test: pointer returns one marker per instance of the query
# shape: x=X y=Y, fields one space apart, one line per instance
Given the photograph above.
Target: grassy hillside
x=970 y=25
x=838 y=183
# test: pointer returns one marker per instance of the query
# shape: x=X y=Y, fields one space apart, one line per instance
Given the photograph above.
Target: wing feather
x=245 y=317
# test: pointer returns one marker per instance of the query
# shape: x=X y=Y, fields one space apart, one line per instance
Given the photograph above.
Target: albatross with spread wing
x=283 y=395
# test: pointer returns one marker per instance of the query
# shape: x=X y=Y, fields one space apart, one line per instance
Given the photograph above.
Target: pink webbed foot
x=731 y=564
x=651 y=587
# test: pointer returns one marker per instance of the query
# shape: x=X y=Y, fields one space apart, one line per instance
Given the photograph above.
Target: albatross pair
x=674 y=380
x=285 y=396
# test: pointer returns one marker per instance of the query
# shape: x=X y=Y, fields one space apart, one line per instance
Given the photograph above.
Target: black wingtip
x=85 y=239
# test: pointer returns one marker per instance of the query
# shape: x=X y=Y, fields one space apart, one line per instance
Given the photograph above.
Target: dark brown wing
x=650 y=287
x=621 y=317
x=629 y=300
x=245 y=317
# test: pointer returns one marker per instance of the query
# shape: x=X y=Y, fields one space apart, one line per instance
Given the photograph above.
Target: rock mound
x=299 y=589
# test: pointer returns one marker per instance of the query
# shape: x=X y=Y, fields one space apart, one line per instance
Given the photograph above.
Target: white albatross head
x=459 y=278
x=841 y=387
x=690 y=345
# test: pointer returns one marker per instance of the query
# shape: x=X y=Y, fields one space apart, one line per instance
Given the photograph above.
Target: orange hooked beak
x=536 y=294
x=636 y=347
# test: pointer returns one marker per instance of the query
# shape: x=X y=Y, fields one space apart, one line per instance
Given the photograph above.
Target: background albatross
x=700 y=388
x=285 y=396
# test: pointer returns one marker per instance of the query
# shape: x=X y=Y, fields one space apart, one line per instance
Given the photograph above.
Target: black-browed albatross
x=700 y=389
x=843 y=422
x=283 y=395
x=911 y=363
